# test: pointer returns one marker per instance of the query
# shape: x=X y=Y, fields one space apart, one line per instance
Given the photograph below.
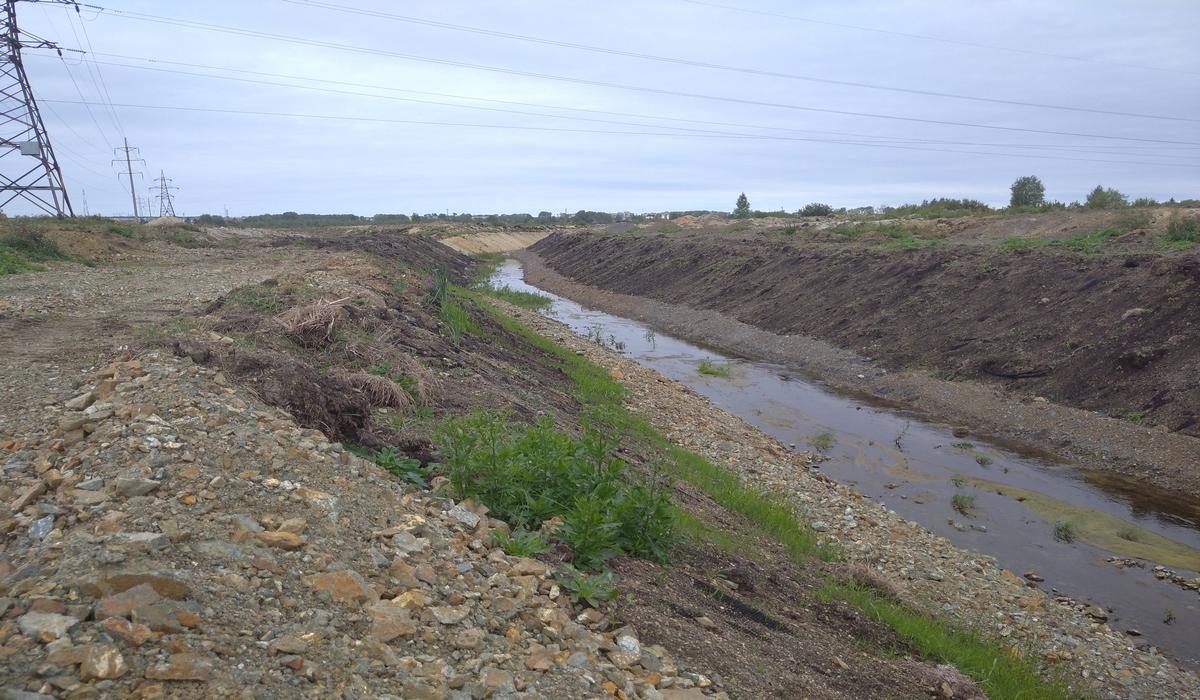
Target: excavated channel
x=917 y=468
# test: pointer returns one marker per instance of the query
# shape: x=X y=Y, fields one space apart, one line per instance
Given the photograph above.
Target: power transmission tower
x=165 y=207
x=22 y=133
x=129 y=171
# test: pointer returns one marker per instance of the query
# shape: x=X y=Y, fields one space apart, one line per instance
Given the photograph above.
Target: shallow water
x=914 y=466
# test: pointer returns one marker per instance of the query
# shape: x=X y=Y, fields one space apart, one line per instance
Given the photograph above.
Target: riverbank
x=965 y=586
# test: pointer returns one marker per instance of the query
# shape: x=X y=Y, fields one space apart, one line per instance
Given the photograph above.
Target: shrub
x=816 y=209
x=1180 y=229
x=527 y=475
x=1101 y=198
x=1027 y=191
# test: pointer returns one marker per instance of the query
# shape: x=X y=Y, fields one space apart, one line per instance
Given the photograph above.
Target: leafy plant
x=649 y=337
x=406 y=468
x=1065 y=531
x=521 y=543
x=1135 y=416
x=962 y=502
x=822 y=441
x=1183 y=230
x=585 y=587
x=707 y=367
x=527 y=475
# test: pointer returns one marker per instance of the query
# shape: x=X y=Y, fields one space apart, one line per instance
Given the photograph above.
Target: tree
x=1101 y=198
x=742 y=210
x=1027 y=191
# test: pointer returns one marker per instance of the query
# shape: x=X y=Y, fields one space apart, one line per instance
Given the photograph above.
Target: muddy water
x=917 y=467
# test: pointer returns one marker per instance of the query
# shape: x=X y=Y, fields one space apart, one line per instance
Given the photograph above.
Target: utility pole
x=165 y=207
x=22 y=133
x=129 y=171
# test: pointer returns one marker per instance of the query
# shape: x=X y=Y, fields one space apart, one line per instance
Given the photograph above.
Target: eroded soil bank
x=1105 y=338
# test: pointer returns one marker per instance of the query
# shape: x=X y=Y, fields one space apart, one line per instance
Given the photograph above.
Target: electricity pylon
x=165 y=207
x=37 y=181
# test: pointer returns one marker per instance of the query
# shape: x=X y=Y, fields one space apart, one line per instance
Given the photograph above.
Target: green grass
x=1181 y=230
x=23 y=245
x=707 y=367
x=1065 y=531
x=983 y=460
x=11 y=263
x=262 y=299
x=1001 y=675
x=962 y=502
x=526 y=300
x=1129 y=533
x=823 y=441
x=1090 y=243
x=962 y=445
x=456 y=320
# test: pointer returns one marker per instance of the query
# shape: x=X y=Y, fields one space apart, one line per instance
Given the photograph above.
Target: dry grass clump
x=380 y=391
x=312 y=325
x=386 y=360
x=864 y=576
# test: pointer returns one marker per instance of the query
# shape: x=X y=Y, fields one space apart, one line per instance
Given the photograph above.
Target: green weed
x=527 y=300
x=406 y=468
x=962 y=502
x=529 y=475
x=823 y=441
x=707 y=367
x=586 y=588
x=1065 y=531
x=983 y=460
x=962 y=445
x=958 y=480
x=262 y=300
x=1181 y=230
x=521 y=543
x=1129 y=533
x=457 y=320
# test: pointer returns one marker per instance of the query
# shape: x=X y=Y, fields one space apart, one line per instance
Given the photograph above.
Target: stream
x=916 y=467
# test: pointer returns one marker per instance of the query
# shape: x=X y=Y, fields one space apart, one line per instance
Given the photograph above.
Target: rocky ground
x=168 y=533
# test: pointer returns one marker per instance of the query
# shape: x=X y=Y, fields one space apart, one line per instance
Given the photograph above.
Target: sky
x=370 y=106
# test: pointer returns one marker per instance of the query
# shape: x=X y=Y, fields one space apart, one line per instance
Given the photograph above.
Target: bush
x=816 y=209
x=1181 y=229
x=1101 y=198
x=1027 y=191
x=527 y=475
x=29 y=243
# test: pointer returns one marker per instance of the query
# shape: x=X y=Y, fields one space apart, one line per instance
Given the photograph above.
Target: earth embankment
x=1116 y=333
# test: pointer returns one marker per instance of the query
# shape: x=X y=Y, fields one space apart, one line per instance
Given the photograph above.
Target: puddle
x=916 y=467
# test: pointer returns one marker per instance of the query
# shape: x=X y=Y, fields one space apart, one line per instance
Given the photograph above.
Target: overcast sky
x=370 y=106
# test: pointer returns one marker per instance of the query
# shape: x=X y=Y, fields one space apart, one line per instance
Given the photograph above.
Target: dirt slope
x=1112 y=333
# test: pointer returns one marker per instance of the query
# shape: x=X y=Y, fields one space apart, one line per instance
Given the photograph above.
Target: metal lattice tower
x=28 y=169
x=165 y=207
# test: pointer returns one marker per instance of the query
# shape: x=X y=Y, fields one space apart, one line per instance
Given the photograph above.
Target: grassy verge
x=1003 y=675
x=999 y=672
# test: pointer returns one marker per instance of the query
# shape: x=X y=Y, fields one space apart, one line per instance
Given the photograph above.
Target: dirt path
x=698 y=305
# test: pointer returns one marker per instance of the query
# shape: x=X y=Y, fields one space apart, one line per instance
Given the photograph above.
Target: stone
x=102 y=661
x=413 y=600
x=30 y=495
x=404 y=573
x=288 y=645
x=819 y=526
x=539 y=662
x=528 y=567
x=451 y=615
x=41 y=527
x=182 y=667
x=705 y=622
x=122 y=604
x=45 y=627
x=1033 y=577
x=159 y=618
x=296 y=526
x=134 y=487
x=139 y=541
x=131 y=633
x=245 y=522
x=82 y=401
x=1096 y=612
x=389 y=621
x=469 y=638
x=281 y=540
x=466 y=517
x=343 y=586
x=408 y=543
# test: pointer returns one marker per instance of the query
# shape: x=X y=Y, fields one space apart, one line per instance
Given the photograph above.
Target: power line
x=749 y=137
x=129 y=171
x=715 y=66
x=573 y=109
x=944 y=40
x=617 y=86
x=165 y=206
